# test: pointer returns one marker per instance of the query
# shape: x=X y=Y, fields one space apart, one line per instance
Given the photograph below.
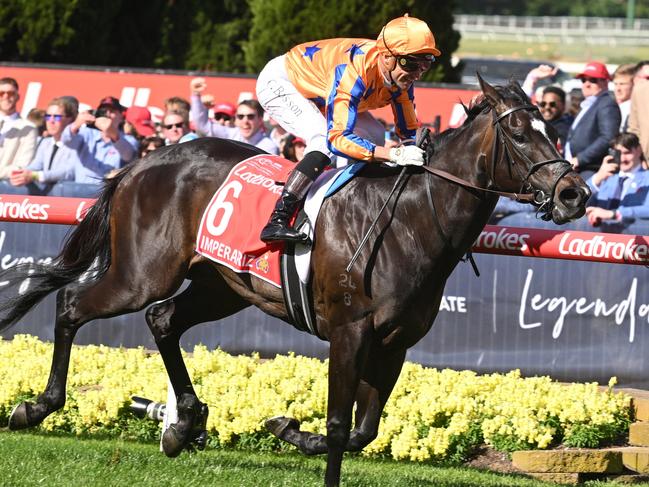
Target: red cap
x=140 y=118
x=111 y=101
x=298 y=140
x=226 y=108
x=595 y=70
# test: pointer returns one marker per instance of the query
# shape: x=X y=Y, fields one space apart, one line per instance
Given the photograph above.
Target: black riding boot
x=278 y=227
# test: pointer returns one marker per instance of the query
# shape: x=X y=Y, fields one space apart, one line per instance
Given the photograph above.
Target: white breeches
x=300 y=116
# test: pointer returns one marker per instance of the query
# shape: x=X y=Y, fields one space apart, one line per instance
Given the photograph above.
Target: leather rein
x=527 y=194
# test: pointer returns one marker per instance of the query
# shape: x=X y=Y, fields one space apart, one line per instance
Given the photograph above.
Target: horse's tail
x=86 y=249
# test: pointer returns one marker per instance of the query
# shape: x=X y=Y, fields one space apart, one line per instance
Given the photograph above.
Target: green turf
x=548 y=51
x=29 y=459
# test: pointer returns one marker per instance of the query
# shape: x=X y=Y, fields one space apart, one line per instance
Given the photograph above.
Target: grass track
x=577 y=52
x=30 y=459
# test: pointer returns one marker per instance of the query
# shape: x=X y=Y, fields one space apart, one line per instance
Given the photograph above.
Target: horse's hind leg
x=168 y=320
x=115 y=293
x=381 y=373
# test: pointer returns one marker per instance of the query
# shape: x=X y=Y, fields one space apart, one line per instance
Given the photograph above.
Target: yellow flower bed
x=431 y=415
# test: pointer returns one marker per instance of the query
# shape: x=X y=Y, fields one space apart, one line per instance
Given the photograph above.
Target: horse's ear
x=490 y=93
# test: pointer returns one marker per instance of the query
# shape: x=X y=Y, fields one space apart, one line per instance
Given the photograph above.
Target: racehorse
x=139 y=238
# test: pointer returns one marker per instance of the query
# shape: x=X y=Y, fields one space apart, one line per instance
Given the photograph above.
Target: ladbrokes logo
x=23 y=210
x=597 y=246
x=503 y=240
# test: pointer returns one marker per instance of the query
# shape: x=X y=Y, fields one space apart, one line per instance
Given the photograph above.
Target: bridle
x=540 y=199
x=528 y=193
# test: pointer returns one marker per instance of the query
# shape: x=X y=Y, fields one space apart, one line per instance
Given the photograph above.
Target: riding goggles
x=415 y=62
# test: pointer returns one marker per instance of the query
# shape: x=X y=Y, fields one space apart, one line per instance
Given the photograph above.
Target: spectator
x=224 y=114
x=177 y=104
x=100 y=143
x=175 y=127
x=574 y=105
x=54 y=161
x=639 y=115
x=620 y=197
x=150 y=144
x=278 y=134
x=597 y=122
x=623 y=86
x=293 y=148
x=138 y=122
x=249 y=123
x=543 y=71
x=553 y=106
x=36 y=117
x=17 y=136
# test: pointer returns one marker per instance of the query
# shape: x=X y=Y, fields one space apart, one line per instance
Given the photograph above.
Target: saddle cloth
x=231 y=224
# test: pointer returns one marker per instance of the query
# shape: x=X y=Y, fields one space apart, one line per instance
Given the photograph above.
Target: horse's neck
x=466 y=154
x=458 y=213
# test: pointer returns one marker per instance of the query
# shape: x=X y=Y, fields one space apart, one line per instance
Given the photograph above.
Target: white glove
x=408 y=155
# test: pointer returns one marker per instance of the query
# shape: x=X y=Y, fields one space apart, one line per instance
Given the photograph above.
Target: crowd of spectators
x=605 y=139
x=65 y=144
x=603 y=133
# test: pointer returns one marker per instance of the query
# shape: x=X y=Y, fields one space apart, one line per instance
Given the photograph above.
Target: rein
x=536 y=197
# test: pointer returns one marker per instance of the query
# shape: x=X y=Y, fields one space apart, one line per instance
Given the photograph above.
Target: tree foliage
x=281 y=24
x=221 y=35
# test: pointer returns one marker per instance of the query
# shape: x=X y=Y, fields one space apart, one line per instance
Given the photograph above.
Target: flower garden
x=432 y=415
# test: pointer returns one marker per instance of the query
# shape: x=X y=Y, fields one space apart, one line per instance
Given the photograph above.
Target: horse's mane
x=512 y=92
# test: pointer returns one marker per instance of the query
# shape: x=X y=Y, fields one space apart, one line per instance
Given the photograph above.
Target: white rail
x=591 y=30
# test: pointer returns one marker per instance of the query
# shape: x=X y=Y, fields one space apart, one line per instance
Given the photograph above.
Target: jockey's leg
x=295 y=189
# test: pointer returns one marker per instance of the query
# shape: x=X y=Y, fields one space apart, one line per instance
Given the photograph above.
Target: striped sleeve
x=347 y=88
x=403 y=109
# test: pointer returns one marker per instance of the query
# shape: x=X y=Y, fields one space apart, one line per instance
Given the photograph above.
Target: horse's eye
x=518 y=136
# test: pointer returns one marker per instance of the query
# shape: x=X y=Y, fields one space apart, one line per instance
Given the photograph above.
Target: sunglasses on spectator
x=590 y=80
x=53 y=117
x=249 y=116
x=222 y=116
x=549 y=104
x=178 y=125
x=7 y=93
x=415 y=63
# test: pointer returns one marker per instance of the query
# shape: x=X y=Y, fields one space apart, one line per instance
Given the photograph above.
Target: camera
x=100 y=112
x=616 y=154
x=143 y=408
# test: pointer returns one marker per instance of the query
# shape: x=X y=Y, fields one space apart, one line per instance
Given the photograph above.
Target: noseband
x=542 y=201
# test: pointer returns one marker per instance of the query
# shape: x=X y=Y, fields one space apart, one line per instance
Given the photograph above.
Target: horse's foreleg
x=348 y=350
x=168 y=320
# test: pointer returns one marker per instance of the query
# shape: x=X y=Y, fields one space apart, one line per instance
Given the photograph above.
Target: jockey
x=321 y=91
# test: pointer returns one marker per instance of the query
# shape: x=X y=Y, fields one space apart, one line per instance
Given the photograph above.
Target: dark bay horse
x=140 y=238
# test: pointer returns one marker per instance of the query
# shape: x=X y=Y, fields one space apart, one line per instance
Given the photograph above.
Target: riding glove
x=410 y=155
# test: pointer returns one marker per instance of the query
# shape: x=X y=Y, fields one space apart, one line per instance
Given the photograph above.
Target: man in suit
x=53 y=161
x=596 y=124
x=17 y=136
x=639 y=115
x=620 y=189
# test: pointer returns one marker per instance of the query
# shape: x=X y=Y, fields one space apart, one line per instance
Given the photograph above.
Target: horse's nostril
x=574 y=196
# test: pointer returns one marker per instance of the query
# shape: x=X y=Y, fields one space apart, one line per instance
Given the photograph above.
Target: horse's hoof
x=201 y=440
x=279 y=424
x=19 y=417
x=172 y=444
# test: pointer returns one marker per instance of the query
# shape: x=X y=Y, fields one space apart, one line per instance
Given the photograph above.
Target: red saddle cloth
x=230 y=227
